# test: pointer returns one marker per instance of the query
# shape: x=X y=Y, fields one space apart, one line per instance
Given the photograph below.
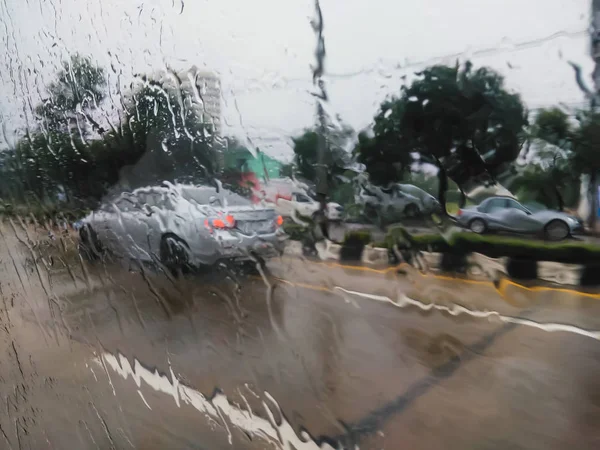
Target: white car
x=182 y=226
x=302 y=204
x=427 y=203
x=399 y=199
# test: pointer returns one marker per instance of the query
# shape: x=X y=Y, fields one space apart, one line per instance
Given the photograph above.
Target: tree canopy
x=162 y=135
x=169 y=128
x=79 y=88
x=460 y=119
x=337 y=157
x=548 y=175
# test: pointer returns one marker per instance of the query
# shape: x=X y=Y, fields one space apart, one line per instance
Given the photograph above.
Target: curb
x=473 y=264
x=476 y=264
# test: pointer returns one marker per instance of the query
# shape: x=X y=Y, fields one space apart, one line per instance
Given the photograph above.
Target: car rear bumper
x=230 y=245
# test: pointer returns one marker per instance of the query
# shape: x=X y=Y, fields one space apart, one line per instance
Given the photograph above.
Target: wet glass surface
x=299 y=225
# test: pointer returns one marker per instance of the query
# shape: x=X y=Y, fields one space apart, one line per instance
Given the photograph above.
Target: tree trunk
x=593 y=200
x=442 y=186
x=463 y=198
x=559 y=198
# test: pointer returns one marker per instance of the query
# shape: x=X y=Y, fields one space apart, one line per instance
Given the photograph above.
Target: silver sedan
x=506 y=214
x=182 y=226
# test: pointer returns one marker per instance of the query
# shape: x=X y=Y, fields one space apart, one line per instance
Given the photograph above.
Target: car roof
x=503 y=197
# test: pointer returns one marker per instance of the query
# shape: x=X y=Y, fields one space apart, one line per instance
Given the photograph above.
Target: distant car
x=182 y=226
x=428 y=203
x=304 y=205
x=507 y=214
x=399 y=199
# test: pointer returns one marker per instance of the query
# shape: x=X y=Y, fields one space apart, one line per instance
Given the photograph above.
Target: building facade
x=201 y=92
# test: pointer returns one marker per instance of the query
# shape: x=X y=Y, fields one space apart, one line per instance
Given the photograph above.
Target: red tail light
x=279 y=221
x=220 y=223
x=459 y=213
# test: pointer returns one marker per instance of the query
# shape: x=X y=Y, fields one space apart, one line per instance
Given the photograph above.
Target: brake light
x=279 y=221
x=220 y=223
x=459 y=213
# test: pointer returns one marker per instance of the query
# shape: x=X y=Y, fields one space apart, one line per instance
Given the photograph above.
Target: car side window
x=400 y=194
x=494 y=204
x=301 y=198
x=515 y=205
x=153 y=199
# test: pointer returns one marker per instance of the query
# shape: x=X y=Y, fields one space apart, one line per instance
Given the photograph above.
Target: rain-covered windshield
x=297 y=224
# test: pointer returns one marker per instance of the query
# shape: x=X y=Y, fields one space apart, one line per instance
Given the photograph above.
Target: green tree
x=287 y=170
x=461 y=120
x=337 y=158
x=167 y=126
x=549 y=175
x=78 y=89
x=586 y=157
x=380 y=155
x=53 y=155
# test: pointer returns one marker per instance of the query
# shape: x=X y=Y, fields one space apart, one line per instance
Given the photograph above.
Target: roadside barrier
x=472 y=264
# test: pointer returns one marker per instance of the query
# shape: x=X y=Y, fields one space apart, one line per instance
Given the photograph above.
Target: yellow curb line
x=501 y=288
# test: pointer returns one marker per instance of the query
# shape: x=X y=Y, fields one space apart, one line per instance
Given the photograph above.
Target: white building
x=201 y=91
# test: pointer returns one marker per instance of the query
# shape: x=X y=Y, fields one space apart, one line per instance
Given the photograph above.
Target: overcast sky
x=263 y=51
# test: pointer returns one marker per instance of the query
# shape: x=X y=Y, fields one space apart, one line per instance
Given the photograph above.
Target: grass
x=452 y=208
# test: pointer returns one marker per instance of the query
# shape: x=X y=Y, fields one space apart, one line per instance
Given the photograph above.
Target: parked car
x=304 y=205
x=428 y=203
x=507 y=214
x=182 y=226
x=397 y=200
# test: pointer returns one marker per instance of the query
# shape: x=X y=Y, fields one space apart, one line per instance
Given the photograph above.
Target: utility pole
x=595 y=48
x=321 y=97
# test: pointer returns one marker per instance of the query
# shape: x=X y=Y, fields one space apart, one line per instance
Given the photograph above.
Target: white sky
x=263 y=51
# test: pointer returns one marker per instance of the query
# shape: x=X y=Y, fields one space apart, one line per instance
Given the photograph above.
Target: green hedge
x=500 y=246
x=461 y=244
x=296 y=231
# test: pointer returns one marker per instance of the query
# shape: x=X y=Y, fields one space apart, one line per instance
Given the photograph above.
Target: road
x=305 y=355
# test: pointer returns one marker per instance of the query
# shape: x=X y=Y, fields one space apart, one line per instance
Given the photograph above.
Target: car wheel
x=411 y=210
x=174 y=254
x=556 y=230
x=477 y=226
x=90 y=246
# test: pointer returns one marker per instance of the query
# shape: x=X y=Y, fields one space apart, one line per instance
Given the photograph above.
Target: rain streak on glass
x=307 y=224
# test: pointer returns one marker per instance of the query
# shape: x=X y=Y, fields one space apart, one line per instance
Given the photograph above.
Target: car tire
x=90 y=246
x=556 y=230
x=174 y=254
x=478 y=226
x=411 y=211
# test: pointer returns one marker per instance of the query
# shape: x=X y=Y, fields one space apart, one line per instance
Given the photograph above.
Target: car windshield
x=411 y=190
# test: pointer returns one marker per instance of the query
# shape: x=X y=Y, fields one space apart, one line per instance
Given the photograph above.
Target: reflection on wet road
x=306 y=355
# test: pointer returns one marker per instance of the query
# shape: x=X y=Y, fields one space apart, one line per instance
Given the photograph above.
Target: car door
x=519 y=219
x=150 y=221
x=137 y=222
x=399 y=201
x=495 y=210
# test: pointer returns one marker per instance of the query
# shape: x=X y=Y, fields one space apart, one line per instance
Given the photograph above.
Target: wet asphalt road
x=307 y=355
